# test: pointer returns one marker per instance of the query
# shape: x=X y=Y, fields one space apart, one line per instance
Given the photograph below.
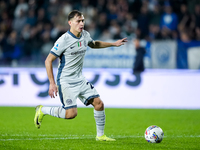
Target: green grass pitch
x=181 y=129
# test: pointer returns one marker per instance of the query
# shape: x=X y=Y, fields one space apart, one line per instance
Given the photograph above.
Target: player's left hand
x=120 y=42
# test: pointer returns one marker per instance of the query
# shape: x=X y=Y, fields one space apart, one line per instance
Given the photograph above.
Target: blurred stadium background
x=169 y=30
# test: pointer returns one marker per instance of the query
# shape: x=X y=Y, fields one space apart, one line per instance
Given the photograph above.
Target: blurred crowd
x=28 y=28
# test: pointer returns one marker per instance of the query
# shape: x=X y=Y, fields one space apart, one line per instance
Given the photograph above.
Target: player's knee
x=99 y=105
x=70 y=114
x=71 y=117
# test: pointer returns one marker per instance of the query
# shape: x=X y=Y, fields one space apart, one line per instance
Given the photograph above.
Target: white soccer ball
x=154 y=134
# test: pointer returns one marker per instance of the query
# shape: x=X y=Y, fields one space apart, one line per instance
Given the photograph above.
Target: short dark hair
x=74 y=13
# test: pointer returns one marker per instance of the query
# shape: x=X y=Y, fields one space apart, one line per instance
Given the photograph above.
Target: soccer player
x=71 y=48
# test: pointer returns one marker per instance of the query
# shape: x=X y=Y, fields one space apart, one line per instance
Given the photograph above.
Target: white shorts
x=69 y=92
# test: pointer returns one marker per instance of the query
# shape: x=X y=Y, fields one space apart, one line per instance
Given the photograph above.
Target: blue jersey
x=71 y=51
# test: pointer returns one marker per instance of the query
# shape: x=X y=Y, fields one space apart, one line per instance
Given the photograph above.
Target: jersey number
x=91 y=86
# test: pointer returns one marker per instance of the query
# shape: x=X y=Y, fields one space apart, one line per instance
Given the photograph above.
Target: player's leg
x=58 y=112
x=99 y=115
x=88 y=96
x=67 y=111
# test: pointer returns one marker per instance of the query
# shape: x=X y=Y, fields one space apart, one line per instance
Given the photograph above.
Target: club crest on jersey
x=69 y=101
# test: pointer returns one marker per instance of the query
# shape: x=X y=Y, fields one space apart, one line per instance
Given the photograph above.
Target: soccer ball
x=154 y=134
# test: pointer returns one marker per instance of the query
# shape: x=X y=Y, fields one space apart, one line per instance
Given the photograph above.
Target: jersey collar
x=73 y=35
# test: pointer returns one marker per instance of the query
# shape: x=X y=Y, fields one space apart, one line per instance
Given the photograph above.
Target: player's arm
x=101 y=44
x=49 y=68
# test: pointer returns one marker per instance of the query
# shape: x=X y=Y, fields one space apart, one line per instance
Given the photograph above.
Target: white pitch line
x=87 y=137
x=30 y=139
x=43 y=135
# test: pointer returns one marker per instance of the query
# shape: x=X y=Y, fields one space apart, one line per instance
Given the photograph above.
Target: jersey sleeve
x=89 y=39
x=57 y=49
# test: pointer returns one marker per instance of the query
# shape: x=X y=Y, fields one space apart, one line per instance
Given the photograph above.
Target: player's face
x=77 y=23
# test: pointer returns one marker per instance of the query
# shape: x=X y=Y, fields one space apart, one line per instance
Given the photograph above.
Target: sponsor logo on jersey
x=78 y=52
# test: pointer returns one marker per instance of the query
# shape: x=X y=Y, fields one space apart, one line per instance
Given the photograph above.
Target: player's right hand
x=53 y=90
